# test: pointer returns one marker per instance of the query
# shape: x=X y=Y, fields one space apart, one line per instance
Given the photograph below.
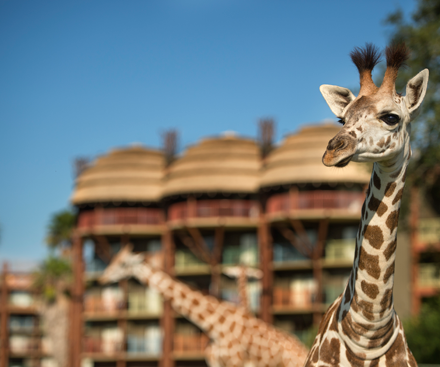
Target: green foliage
x=53 y=276
x=309 y=336
x=421 y=34
x=422 y=333
x=60 y=229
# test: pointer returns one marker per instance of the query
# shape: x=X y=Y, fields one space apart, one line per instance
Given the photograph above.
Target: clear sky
x=80 y=77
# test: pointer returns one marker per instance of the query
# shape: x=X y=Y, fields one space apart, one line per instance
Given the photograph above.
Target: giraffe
x=361 y=328
x=237 y=338
x=242 y=274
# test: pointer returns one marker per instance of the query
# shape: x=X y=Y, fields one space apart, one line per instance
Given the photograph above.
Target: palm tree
x=53 y=281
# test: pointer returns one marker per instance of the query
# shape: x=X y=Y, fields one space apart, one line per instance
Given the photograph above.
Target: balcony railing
x=213 y=208
x=23 y=345
x=307 y=200
x=95 y=304
x=300 y=299
x=429 y=231
x=190 y=343
x=120 y=216
x=100 y=345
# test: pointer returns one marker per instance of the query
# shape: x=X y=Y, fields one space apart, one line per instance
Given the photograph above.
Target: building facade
x=23 y=337
x=218 y=204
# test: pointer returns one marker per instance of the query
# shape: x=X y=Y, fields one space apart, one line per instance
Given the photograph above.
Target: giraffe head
x=122 y=265
x=376 y=123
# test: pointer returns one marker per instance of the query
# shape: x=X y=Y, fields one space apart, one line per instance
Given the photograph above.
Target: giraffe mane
x=397 y=54
x=366 y=58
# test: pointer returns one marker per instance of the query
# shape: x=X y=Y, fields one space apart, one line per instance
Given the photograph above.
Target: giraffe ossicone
x=237 y=338
x=361 y=328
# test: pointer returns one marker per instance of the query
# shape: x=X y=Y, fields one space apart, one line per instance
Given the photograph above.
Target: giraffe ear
x=337 y=98
x=416 y=90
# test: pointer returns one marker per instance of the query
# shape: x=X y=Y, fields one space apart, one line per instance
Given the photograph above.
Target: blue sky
x=80 y=77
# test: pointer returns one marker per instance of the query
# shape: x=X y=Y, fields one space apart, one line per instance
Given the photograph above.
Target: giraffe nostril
x=336 y=144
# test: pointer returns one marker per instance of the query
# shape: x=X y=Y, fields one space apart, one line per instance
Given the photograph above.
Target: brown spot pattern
x=391 y=186
x=388 y=273
x=371 y=290
x=390 y=250
x=395 y=175
x=376 y=180
x=369 y=263
x=346 y=325
x=382 y=335
x=404 y=176
x=353 y=134
x=398 y=196
x=381 y=142
x=359 y=305
x=330 y=352
x=385 y=302
x=392 y=220
x=353 y=359
x=347 y=295
x=376 y=205
x=396 y=354
x=374 y=235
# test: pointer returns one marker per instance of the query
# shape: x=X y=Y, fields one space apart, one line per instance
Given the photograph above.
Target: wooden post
x=77 y=300
x=266 y=255
x=414 y=225
x=4 y=337
x=317 y=268
x=168 y=313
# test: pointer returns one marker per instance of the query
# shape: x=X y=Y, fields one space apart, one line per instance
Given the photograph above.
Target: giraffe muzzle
x=340 y=151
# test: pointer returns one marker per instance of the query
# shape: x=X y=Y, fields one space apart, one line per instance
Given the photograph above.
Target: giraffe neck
x=204 y=311
x=368 y=322
x=242 y=288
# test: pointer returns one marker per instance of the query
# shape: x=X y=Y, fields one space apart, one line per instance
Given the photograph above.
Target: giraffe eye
x=390 y=119
x=341 y=121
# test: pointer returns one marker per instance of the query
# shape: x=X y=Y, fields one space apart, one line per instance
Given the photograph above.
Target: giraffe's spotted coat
x=363 y=319
x=237 y=338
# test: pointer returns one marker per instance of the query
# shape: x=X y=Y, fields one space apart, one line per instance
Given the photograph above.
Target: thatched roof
x=130 y=174
x=298 y=160
x=224 y=164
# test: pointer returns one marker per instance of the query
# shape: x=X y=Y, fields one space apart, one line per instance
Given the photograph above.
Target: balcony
x=190 y=344
x=428 y=235
x=24 y=345
x=346 y=204
x=96 y=345
x=116 y=220
x=214 y=212
x=98 y=305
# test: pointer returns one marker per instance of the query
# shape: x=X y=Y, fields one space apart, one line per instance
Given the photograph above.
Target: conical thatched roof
x=225 y=164
x=130 y=174
x=299 y=160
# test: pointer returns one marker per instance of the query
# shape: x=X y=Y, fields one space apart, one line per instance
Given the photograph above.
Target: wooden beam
x=299 y=229
x=189 y=242
x=167 y=321
x=289 y=235
x=218 y=244
x=266 y=255
x=102 y=248
x=4 y=336
x=317 y=267
x=77 y=299
x=200 y=244
x=215 y=260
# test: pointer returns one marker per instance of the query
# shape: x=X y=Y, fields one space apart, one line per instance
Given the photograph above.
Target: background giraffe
x=361 y=327
x=237 y=338
x=242 y=273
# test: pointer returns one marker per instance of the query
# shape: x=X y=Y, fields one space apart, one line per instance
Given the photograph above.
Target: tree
x=421 y=34
x=60 y=229
x=422 y=332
